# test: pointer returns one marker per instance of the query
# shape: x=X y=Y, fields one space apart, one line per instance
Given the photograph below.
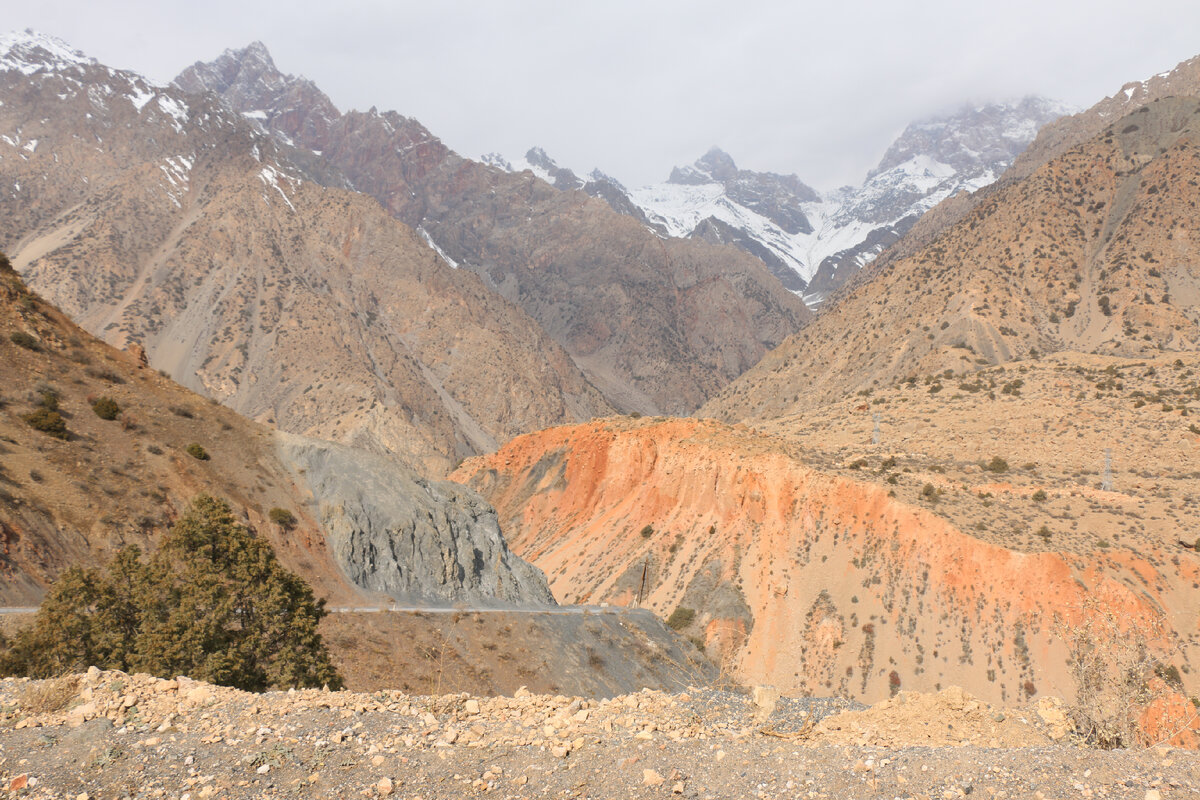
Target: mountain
x=655 y=325
x=363 y=530
x=1089 y=253
x=1056 y=138
x=78 y=496
x=815 y=243
x=164 y=219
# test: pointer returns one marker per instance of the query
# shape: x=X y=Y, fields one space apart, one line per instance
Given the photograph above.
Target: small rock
x=471 y=706
x=1153 y=794
x=378 y=761
x=651 y=778
x=560 y=751
x=385 y=787
x=677 y=788
x=264 y=769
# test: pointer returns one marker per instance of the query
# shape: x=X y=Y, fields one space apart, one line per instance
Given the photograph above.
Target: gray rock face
x=421 y=542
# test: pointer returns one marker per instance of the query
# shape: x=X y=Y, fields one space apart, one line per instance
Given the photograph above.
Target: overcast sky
x=635 y=87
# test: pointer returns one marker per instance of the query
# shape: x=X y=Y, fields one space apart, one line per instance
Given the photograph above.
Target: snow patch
x=270 y=176
x=140 y=97
x=429 y=241
x=29 y=52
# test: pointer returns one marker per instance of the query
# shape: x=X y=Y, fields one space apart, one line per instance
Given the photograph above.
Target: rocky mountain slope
x=1091 y=252
x=77 y=495
x=813 y=244
x=1055 y=138
x=163 y=219
x=655 y=325
x=795 y=571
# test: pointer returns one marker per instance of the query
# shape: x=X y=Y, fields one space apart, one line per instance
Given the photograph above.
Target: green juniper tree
x=212 y=603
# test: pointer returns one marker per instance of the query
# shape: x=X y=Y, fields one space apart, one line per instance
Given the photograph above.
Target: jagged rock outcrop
x=655 y=325
x=420 y=542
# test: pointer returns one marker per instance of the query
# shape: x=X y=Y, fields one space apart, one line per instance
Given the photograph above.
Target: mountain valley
x=526 y=431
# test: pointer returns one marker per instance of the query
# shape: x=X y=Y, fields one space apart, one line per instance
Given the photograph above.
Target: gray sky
x=815 y=88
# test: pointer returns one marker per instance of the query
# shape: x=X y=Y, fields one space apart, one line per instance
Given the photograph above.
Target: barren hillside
x=796 y=571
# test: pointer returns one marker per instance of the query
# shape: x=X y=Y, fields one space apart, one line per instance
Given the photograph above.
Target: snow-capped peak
x=29 y=51
x=806 y=239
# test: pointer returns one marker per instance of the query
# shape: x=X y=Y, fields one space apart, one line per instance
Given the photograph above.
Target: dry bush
x=1112 y=660
x=48 y=696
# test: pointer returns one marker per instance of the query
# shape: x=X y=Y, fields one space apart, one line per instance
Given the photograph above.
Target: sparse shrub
x=179 y=411
x=48 y=422
x=1039 y=496
x=997 y=464
x=46 y=697
x=23 y=339
x=106 y=375
x=48 y=398
x=106 y=408
x=155 y=449
x=1111 y=661
x=929 y=492
x=647 y=531
x=197 y=452
x=858 y=463
x=681 y=618
x=283 y=518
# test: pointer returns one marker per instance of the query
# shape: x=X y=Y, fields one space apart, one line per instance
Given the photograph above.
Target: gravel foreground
x=111 y=735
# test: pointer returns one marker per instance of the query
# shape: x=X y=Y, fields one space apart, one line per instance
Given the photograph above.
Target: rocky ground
x=112 y=735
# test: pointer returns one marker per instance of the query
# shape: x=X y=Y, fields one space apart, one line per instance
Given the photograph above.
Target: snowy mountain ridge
x=814 y=242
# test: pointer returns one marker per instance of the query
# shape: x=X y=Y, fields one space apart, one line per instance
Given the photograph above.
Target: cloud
x=637 y=87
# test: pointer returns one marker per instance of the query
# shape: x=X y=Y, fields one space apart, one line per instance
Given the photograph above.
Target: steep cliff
x=420 y=542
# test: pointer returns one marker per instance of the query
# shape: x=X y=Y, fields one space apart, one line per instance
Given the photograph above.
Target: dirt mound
x=950 y=718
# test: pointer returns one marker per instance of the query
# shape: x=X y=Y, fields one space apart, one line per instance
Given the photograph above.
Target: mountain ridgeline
x=814 y=244
x=1090 y=252
x=656 y=325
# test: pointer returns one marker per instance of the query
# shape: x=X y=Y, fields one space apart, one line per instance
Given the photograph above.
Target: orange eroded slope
x=812 y=582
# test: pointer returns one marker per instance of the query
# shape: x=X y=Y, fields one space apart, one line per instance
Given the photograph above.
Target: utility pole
x=875 y=434
x=642 y=588
x=1107 y=482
